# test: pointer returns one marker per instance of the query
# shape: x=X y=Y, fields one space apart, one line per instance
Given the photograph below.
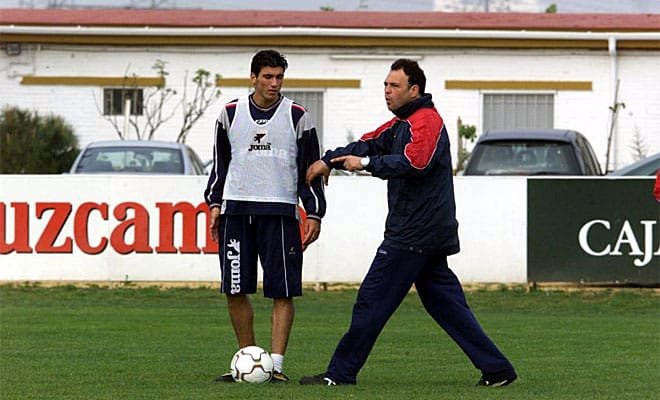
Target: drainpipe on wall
x=614 y=77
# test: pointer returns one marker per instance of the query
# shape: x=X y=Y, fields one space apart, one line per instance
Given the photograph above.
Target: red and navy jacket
x=411 y=151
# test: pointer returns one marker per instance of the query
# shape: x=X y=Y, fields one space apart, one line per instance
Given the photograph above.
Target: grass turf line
x=146 y=343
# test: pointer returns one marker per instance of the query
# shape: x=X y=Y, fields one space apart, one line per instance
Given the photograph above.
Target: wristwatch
x=364 y=161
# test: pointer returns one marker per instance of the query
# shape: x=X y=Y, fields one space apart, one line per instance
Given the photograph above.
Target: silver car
x=532 y=152
x=137 y=157
x=644 y=167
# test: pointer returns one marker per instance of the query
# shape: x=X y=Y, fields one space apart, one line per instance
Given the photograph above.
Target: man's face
x=267 y=85
x=397 y=90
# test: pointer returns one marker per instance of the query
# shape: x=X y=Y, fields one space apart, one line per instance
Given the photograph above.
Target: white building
x=488 y=5
x=491 y=70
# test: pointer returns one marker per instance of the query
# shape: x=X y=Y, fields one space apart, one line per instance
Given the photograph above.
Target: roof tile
x=331 y=19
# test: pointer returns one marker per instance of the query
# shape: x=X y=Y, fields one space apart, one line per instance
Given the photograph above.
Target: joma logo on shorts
x=235 y=264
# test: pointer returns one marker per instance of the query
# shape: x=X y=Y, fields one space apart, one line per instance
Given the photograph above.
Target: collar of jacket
x=408 y=109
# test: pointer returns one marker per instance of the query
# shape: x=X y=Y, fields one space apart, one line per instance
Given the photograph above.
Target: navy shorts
x=275 y=240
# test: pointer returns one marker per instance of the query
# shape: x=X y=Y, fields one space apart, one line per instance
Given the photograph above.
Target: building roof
x=332 y=19
x=330 y=29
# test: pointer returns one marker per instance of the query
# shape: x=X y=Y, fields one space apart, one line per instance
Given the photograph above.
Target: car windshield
x=523 y=158
x=151 y=160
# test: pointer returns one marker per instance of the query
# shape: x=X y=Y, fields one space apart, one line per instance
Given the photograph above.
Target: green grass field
x=125 y=343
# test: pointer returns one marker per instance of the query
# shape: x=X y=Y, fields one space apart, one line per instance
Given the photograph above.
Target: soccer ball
x=252 y=364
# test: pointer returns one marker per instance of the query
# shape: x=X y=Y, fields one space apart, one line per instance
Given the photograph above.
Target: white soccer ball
x=252 y=364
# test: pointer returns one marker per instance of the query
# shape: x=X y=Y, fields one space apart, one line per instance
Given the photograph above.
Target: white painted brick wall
x=639 y=89
x=357 y=110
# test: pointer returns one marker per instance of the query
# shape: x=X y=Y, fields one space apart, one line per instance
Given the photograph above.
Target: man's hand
x=312 y=231
x=317 y=169
x=215 y=222
x=351 y=163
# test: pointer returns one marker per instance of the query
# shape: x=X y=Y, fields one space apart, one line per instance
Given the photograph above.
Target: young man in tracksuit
x=264 y=143
x=411 y=151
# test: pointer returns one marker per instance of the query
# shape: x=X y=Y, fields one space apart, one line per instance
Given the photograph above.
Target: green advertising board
x=593 y=231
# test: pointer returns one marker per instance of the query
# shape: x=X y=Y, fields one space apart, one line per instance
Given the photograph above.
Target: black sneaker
x=226 y=378
x=279 y=377
x=496 y=382
x=319 y=379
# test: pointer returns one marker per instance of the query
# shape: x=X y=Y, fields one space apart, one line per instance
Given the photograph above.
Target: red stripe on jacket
x=379 y=131
x=425 y=129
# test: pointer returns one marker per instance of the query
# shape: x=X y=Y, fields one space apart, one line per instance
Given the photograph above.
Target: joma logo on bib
x=257 y=145
x=234 y=258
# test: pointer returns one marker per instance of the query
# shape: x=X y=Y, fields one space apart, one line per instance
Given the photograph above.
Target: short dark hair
x=267 y=58
x=413 y=71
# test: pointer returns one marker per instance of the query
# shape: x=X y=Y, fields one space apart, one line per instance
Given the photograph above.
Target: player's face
x=267 y=85
x=398 y=92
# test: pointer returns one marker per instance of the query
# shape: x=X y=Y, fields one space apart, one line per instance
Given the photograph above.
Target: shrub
x=33 y=144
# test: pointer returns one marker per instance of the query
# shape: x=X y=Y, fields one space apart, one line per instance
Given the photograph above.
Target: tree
x=32 y=144
x=154 y=103
x=204 y=96
x=552 y=9
x=638 y=145
x=152 y=106
x=614 y=112
x=465 y=133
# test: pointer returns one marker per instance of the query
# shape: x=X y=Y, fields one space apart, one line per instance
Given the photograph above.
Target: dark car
x=137 y=157
x=532 y=152
x=644 y=167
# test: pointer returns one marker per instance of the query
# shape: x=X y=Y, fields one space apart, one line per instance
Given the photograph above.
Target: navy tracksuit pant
x=390 y=277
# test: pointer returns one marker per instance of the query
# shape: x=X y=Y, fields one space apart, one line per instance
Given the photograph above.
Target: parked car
x=137 y=157
x=644 y=167
x=532 y=152
x=208 y=166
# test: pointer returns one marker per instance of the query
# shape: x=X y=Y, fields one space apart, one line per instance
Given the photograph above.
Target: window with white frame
x=114 y=101
x=313 y=103
x=518 y=110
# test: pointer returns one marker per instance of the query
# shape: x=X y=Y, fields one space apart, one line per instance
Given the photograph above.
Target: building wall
x=353 y=110
x=641 y=96
x=584 y=111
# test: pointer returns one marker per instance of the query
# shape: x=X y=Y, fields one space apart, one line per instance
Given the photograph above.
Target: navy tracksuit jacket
x=411 y=151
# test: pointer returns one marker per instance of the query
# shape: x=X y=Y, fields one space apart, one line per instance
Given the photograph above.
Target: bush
x=32 y=144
